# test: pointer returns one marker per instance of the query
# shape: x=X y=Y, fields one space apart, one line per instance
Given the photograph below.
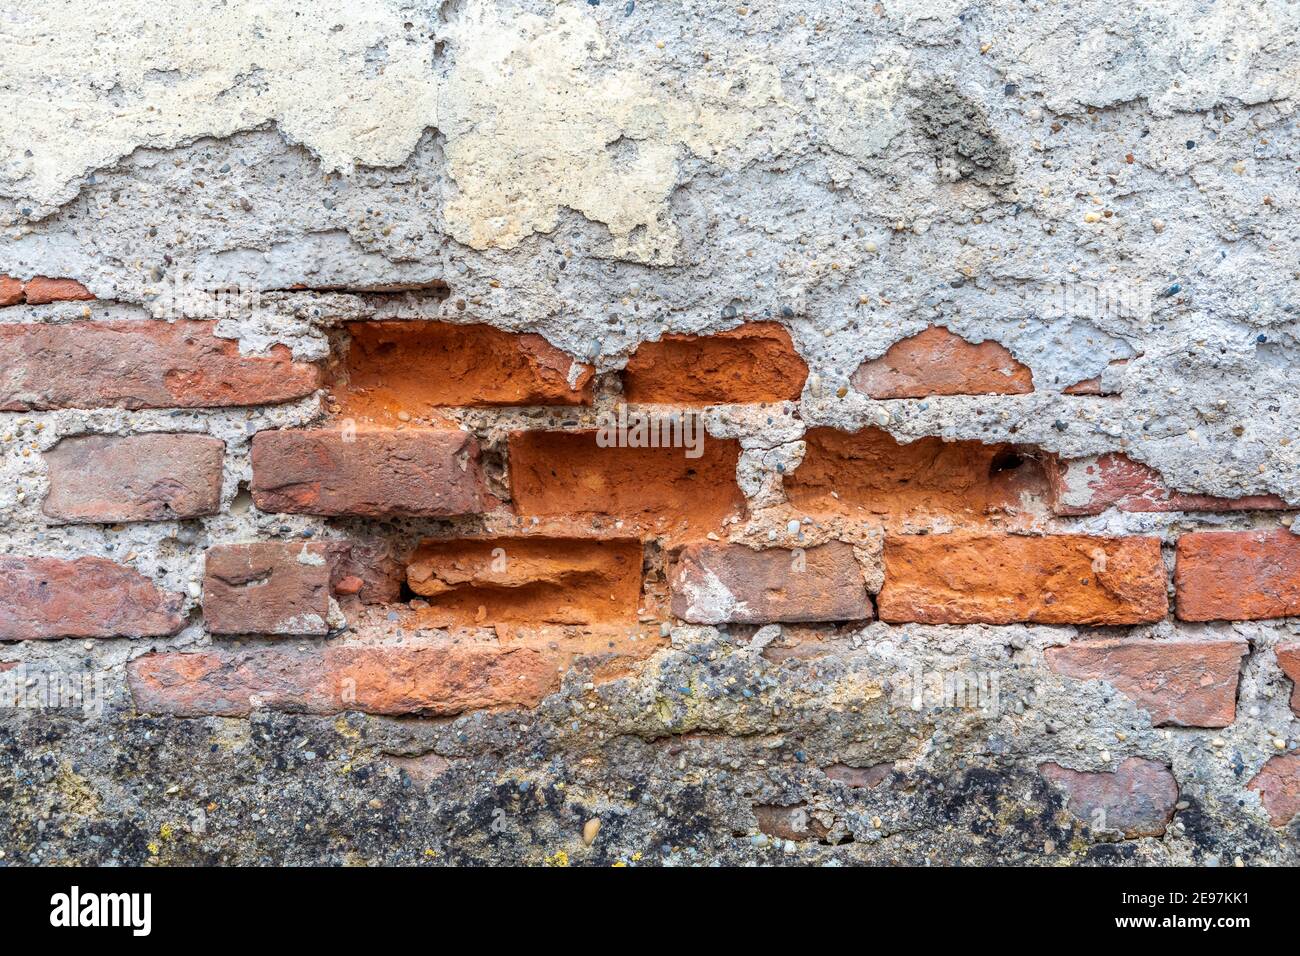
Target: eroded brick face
x=1088 y=486
x=1137 y=798
x=369 y=473
x=83 y=597
x=556 y=473
x=413 y=367
x=267 y=588
x=871 y=472
x=939 y=362
x=140 y=364
x=753 y=363
x=106 y=478
x=1181 y=683
x=967 y=578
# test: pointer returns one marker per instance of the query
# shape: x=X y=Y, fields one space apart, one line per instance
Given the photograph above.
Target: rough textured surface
x=733 y=584
x=139 y=365
x=1238 y=575
x=107 y=478
x=372 y=473
x=86 y=597
x=1278 y=784
x=1137 y=798
x=1185 y=683
x=754 y=363
x=936 y=362
x=1112 y=199
x=999 y=579
x=267 y=588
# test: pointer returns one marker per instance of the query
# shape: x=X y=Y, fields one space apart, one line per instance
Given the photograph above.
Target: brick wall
x=458 y=518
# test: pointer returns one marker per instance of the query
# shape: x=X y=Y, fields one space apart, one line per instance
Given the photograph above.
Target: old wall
x=317 y=321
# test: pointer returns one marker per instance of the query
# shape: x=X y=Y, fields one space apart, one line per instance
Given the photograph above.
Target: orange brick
x=753 y=363
x=1237 y=575
x=939 y=362
x=967 y=578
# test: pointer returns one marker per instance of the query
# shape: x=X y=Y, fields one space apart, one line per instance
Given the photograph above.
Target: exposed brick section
x=939 y=362
x=734 y=584
x=1138 y=798
x=41 y=291
x=789 y=823
x=556 y=473
x=871 y=471
x=84 y=597
x=528 y=580
x=967 y=578
x=753 y=363
x=1237 y=575
x=1288 y=658
x=1181 y=683
x=1278 y=785
x=11 y=291
x=156 y=477
x=267 y=587
x=1088 y=486
x=143 y=364
x=432 y=680
x=367 y=570
x=424 y=472
x=414 y=367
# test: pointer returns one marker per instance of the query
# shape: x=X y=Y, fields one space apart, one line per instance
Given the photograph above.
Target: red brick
x=939 y=362
x=871 y=471
x=41 y=291
x=423 y=472
x=270 y=587
x=1138 y=798
x=139 y=364
x=530 y=580
x=11 y=291
x=155 y=477
x=416 y=367
x=1278 y=785
x=734 y=584
x=566 y=473
x=753 y=363
x=859 y=777
x=84 y=597
x=1181 y=683
x=1288 y=658
x=435 y=679
x=1088 y=486
x=1237 y=575
x=970 y=578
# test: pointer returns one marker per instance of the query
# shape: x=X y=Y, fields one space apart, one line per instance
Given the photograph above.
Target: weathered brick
x=41 y=291
x=1138 y=798
x=424 y=472
x=269 y=587
x=11 y=291
x=859 y=777
x=1278 y=785
x=753 y=363
x=870 y=471
x=154 y=477
x=528 y=580
x=429 y=679
x=971 y=578
x=1288 y=658
x=414 y=367
x=794 y=822
x=939 y=362
x=1237 y=575
x=734 y=584
x=83 y=597
x=1181 y=683
x=566 y=473
x=139 y=364
x=1088 y=486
